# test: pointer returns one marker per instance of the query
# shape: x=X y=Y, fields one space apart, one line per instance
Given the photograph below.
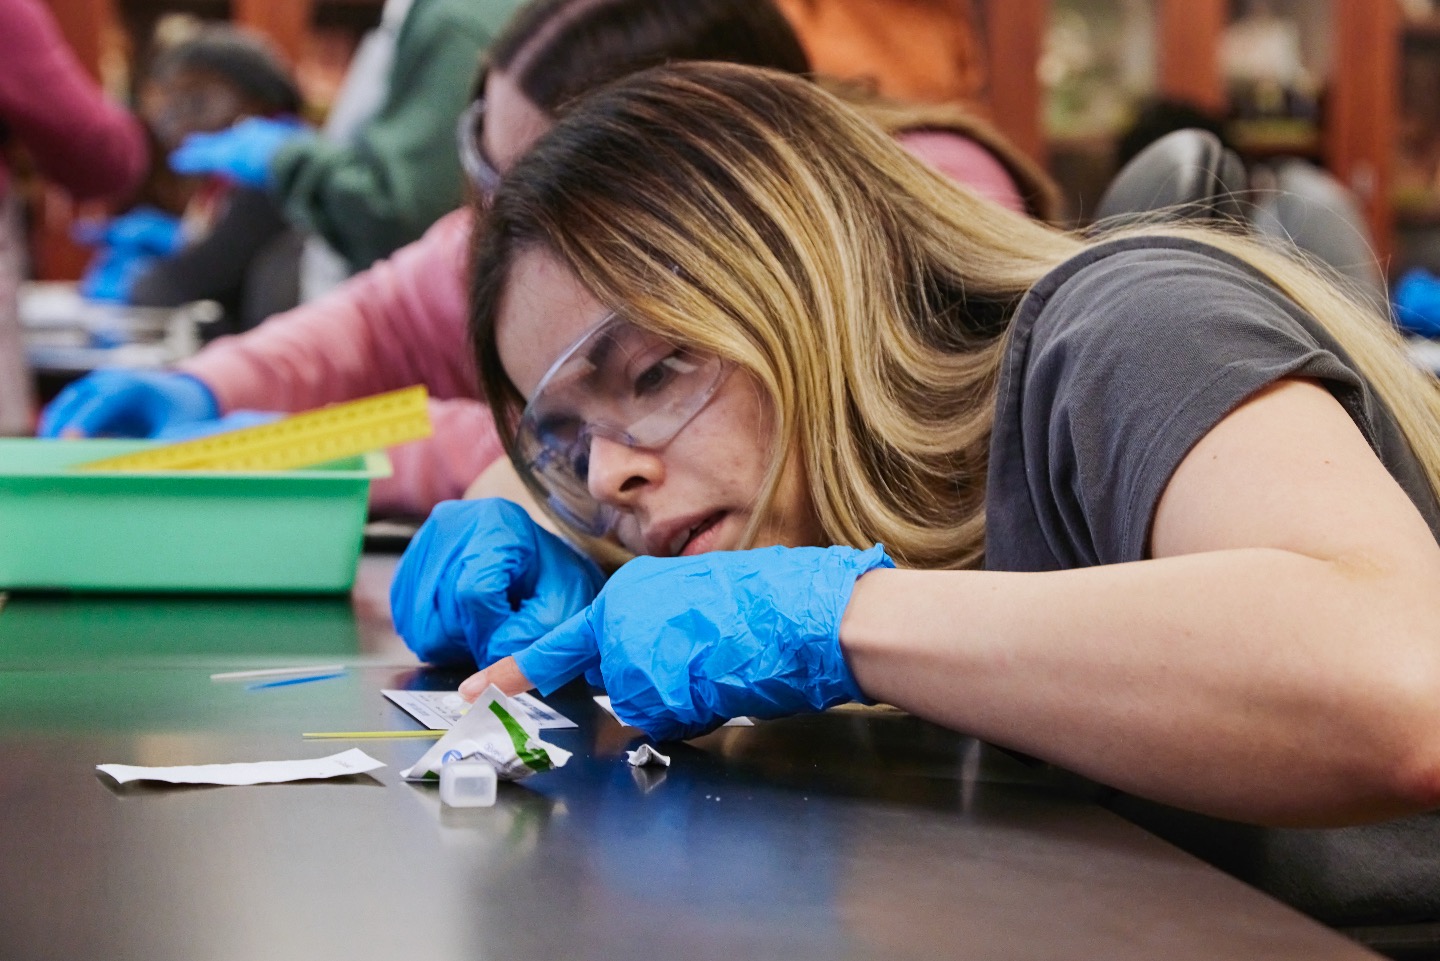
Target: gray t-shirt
x=1122 y=359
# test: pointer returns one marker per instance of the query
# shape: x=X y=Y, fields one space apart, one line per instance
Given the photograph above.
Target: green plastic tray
x=283 y=531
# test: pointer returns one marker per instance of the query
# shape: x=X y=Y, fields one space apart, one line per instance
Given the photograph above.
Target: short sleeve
x=1116 y=369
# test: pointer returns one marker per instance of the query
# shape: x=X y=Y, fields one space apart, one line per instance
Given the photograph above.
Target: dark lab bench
x=850 y=835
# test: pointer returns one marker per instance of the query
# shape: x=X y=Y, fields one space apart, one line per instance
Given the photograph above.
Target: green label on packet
x=532 y=756
x=492 y=731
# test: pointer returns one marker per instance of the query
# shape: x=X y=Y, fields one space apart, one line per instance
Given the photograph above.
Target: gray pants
x=17 y=390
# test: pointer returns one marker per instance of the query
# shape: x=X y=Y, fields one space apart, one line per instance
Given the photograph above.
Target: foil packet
x=495 y=731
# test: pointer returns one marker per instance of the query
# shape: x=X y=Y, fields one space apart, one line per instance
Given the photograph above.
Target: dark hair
x=558 y=49
x=245 y=59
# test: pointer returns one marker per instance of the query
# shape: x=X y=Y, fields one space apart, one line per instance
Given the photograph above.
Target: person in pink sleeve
x=77 y=138
x=404 y=321
x=401 y=322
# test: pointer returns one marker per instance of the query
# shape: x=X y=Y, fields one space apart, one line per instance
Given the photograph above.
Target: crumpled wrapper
x=494 y=731
x=645 y=754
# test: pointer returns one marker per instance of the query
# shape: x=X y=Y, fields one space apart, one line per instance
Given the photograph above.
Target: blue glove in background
x=110 y=277
x=242 y=152
x=1417 y=303
x=481 y=580
x=686 y=643
x=128 y=403
x=142 y=230
x=235 y=420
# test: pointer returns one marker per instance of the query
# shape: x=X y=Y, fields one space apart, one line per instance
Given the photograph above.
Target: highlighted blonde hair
x=752 y=214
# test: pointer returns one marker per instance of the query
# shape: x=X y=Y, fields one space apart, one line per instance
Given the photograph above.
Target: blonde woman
x=1158 y=507
x=1211 y=472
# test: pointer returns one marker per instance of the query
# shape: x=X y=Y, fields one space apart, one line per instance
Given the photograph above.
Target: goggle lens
x=621 y=382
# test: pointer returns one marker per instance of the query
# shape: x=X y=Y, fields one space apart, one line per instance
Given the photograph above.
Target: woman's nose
x=618 y=473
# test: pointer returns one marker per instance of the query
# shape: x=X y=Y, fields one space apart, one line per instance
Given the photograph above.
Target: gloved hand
x=242 y=152
x=142 y=230
x=482 y=580
x=687 y=643
x=1417 y=303
x=111 y=275
x=235 y=420
x=128 y=403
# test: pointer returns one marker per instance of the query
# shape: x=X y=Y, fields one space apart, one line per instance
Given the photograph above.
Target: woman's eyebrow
x=597 y=355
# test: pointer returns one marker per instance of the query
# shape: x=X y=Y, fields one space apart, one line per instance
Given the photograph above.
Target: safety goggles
x=618 y=381
x=183 y=107
x=482 y=173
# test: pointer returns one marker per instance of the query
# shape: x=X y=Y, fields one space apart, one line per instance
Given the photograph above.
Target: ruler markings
x=301 y=440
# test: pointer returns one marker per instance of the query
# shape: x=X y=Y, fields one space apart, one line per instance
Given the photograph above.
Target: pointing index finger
x=562 y=655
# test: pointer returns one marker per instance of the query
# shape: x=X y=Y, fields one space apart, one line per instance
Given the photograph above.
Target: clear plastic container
x=467 y=784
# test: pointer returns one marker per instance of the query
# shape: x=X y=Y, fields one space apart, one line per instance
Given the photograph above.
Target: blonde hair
x=754 y=215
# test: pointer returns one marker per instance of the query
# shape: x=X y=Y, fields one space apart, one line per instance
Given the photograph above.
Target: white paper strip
x=440 y=710
x=353 y=761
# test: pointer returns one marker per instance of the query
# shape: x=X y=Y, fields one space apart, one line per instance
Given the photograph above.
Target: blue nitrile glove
x=235 y=420
x=111 y=275
x=128 y=403
x=481 y=580
x=1417 y=303
x=686 y=643
x=142 y=230
x=242 y=152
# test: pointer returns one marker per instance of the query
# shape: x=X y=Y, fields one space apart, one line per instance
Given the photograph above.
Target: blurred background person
x=230 y=243
x=403 y=321
x=73 y=135
x=373 y=191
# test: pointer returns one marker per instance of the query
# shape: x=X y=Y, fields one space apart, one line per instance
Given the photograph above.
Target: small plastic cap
x=467 y=784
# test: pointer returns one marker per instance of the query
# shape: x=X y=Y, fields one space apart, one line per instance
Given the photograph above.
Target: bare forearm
x=1255 y=684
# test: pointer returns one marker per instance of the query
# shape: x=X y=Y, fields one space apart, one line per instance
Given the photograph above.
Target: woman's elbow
x=1406 y=701
x=1415 y=776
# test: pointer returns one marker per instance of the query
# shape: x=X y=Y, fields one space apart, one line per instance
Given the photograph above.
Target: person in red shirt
x=78 y=139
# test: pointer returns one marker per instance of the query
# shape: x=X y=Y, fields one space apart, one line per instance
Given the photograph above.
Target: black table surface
x=852 y=834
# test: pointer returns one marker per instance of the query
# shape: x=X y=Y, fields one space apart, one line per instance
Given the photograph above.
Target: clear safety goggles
x=482 y=173
x=620 y=382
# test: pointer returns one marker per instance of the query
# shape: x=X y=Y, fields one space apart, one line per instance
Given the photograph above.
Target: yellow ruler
x=301 y=440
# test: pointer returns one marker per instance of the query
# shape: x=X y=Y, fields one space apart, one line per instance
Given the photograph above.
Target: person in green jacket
x=378 y=190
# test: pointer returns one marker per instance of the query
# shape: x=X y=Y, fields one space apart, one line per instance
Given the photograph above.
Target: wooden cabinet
x=1014 y=31
x=1360 y=120
x=287 y=23
x=1416 y=188
x=1187 y=40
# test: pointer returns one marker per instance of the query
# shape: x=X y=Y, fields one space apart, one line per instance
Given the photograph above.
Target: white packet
x=497 y=732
